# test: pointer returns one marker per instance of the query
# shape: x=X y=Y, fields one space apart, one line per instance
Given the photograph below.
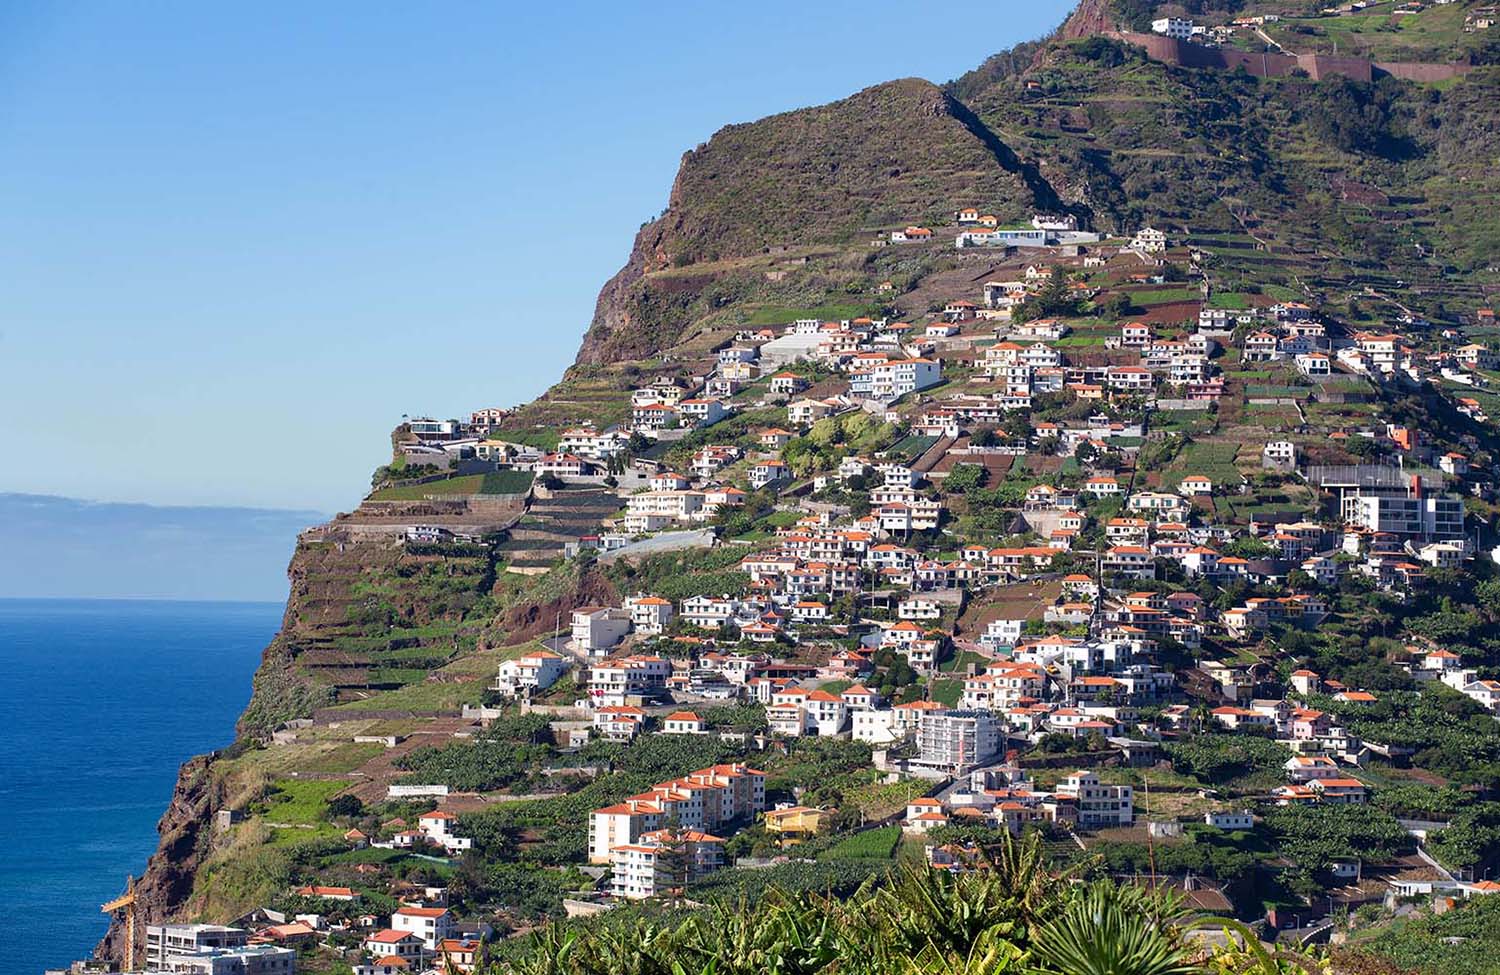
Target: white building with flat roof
x=1098 y=804
x=957 y=741
x=166 y=940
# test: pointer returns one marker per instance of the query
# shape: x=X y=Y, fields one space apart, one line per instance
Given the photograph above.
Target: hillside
x=1093 y=128
x=895 y=152
x=1094 y=483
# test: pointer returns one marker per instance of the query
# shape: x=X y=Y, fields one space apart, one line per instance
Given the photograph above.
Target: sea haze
x=104 y=699
x=63 y=547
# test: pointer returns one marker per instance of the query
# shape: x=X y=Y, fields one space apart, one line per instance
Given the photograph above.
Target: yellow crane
x=126 y=902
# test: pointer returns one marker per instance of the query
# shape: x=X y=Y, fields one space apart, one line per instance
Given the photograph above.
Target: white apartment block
x=596 y=629
x=1098 y=805
x=662 y=860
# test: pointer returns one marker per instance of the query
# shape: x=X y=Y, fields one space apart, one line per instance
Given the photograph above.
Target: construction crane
x=126 y=902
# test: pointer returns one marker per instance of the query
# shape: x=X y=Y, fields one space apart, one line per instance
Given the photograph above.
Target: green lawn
x=541 y=439
x=947 y=691
x=1165 y=296
x=424 y=696
x=1214 y=461
x=495 y=482
x=300 y=806
x=301 y=801
x=961 y=660
x=872 y=844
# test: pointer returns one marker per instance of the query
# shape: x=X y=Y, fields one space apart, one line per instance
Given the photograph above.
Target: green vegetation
x=1465 y=941
x=872 y=844
x=1313 y=838
x=1220 y=758
x=495 y=482
x=681 y=575
x=1013 y=917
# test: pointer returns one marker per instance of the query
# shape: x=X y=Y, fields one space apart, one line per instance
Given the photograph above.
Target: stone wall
x=1170 y=50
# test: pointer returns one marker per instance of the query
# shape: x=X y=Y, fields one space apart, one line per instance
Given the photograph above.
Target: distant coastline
x=66 y=548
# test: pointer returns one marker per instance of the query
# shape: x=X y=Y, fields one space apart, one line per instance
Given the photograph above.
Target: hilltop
x=1099 y=447
x=1089 y=126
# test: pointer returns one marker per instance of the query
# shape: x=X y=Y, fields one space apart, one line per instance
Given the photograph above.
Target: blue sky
x=239 y=241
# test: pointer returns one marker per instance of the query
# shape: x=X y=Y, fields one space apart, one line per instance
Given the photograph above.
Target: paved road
x=668 y=542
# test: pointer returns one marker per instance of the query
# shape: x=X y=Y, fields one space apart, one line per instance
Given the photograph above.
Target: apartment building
x=704 y=800
x=1405 y=512
x=166 y=940
x=597 y=628
x=661 y=861
x=957 y=741
x=259 y=959
x=1098 y=805
x=618 y=682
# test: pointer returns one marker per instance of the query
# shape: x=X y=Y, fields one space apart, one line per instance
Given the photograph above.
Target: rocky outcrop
x=185 y=832
x=1088 y=18
x=531 y=620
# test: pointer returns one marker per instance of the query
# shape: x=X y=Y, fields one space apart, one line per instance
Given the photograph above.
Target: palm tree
x=1114 y=930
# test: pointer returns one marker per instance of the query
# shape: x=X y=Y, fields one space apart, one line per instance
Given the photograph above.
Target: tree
x=964 y=478
x=346 y=806
x=1117 y=305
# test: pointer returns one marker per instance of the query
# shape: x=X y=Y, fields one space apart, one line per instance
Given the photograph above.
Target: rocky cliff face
x=185 y=831
x=1088 y=18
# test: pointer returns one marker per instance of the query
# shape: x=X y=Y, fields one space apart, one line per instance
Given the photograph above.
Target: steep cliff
x=185 y=833
x=898 y=152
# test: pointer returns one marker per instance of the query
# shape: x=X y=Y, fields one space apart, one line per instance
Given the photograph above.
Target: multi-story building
x=243 y=960
x=957 y=741
x=534 y=672
x=617 y=682
x=1098 y=805
x=1405 y=512
x=649 y=615
x=431 y=924
x=597 y=628
x=890 y=380
x=165 y=940
x=661 y=861
x=390 y=943
x=704 y=800
x=1176 y=27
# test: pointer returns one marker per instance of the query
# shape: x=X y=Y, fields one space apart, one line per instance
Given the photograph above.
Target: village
x=1005 y=550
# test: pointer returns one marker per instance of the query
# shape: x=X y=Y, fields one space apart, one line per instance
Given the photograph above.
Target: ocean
x=103 y=700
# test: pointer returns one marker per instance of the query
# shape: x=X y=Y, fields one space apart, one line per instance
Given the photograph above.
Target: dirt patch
x=1023 y=600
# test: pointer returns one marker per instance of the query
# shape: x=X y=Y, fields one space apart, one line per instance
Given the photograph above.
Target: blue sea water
x=102 y=701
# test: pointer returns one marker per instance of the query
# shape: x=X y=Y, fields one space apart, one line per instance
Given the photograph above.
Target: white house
x=1195 y=485
x=1314 y=365
x=683 y=723
x=649 y=614
x=1239 y=819
x=1176 y=27
x=1149 y=240
x=431 y=924
x=597 y=629
x=534 y=672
